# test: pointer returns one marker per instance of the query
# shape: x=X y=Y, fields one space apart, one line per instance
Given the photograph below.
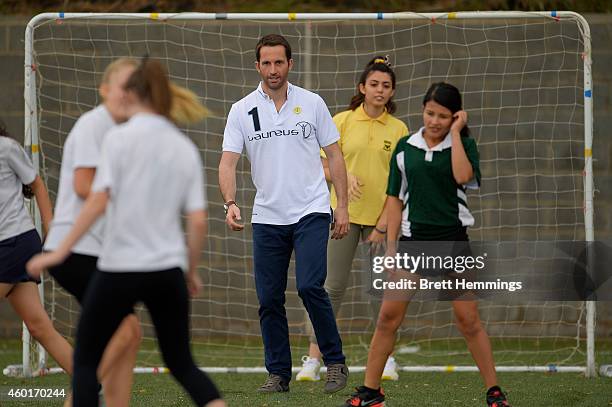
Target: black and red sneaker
x=496 y=398
x=364 y=397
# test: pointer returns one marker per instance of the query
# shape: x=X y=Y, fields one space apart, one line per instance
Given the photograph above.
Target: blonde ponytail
x=150 y=82
x=186 y=107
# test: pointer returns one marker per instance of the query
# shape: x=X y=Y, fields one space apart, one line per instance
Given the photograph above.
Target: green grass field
x=413 y=389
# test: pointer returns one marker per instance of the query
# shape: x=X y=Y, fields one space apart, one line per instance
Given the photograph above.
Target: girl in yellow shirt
x=368 y=135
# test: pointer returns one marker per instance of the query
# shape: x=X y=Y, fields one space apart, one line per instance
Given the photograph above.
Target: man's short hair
x=272 y=40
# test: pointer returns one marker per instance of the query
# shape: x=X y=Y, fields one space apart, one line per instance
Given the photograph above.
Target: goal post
x=527 y=85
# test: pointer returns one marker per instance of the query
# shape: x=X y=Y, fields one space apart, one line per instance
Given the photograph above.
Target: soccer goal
x=526 y=81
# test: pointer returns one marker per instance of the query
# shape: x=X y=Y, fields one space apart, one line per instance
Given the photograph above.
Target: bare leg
x=389 y=320
x=216 y=403
x=314 y=352
x=25 y=300
x=4 y=289
x=468 y=322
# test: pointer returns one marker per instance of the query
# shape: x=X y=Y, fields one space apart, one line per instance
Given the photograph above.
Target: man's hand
x=340 y=227
x=233 y=219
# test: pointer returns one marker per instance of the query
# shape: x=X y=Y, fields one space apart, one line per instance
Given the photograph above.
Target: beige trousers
x=340 y=254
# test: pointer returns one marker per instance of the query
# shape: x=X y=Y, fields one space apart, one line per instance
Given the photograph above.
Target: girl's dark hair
x=448 y=96
x=380 y=64
x=25 y=189
x=3 y=131
x=150 y=83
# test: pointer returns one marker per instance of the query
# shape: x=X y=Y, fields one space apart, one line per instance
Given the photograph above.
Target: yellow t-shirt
x=367 y=145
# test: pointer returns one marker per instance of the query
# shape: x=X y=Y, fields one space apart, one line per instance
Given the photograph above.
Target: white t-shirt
x=16 y=169
x=284 y=150
x=82 y=149
x=153 y=174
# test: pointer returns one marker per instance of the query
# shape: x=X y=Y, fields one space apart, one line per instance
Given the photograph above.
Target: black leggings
x=110 y=298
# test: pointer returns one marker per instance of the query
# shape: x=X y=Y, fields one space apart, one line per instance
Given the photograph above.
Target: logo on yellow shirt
x=297 y=110
x=387 y=145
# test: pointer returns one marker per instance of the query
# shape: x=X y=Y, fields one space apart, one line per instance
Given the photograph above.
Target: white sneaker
x=310 y=370
x=390 y=372
x=101 y=400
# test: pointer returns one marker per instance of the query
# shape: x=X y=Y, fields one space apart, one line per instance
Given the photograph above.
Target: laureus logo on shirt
x=387 y=145
x=304 y=128
x=307 y=129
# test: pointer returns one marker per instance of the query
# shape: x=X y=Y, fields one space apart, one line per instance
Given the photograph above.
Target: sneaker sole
x=308 y=379
x=381 y=404
x=392 y=378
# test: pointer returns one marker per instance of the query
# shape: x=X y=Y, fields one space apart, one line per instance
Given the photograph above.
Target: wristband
x=227 y=205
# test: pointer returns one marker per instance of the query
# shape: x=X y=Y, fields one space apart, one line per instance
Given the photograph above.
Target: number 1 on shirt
x=253 y=112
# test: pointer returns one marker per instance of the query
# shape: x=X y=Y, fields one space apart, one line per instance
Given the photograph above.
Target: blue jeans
x=272 y=248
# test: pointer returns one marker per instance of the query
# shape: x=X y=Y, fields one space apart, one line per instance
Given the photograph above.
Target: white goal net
x=525 y=78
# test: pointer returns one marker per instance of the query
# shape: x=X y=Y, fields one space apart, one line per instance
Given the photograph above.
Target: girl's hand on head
x=460 y=119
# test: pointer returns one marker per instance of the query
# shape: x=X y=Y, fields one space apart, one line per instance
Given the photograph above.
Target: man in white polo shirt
x=284 y=127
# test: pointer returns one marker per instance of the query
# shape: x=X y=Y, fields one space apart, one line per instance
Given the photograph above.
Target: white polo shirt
x=283 y=148
x=82 y=149
x=16 y=169
x=154 y=175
